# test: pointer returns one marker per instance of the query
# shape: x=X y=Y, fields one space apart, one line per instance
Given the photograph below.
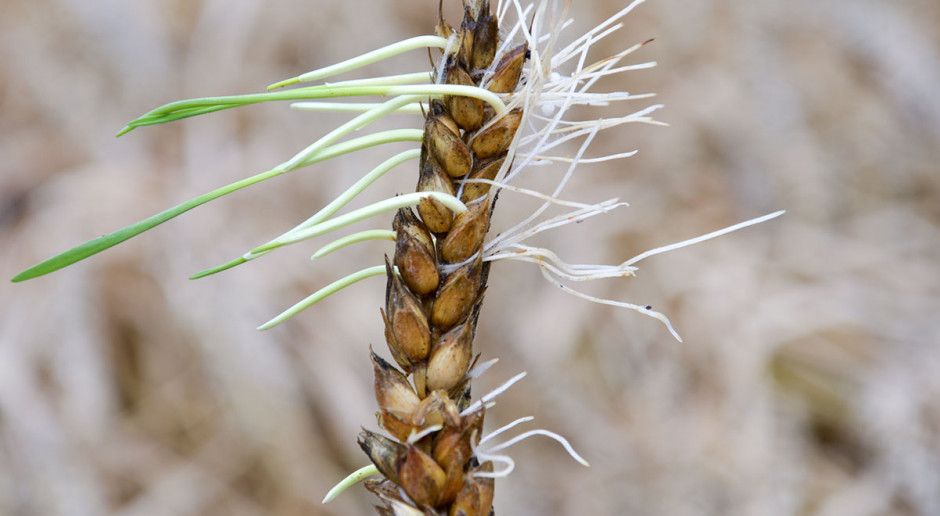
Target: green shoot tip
x=218 y=268
x=282 y=84
x=322 y=294
x=354 y=478
x=23 y=276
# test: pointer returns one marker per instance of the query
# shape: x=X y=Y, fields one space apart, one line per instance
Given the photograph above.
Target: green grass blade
x=323 y=293
x=93 y=247
x=193 y=107
x=102 y=243
x=178 y=115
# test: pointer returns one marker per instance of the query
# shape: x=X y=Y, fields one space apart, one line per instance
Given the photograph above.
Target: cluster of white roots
x=555 y=81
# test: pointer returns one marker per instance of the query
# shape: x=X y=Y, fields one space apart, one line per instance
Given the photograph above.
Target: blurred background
x=809 y=382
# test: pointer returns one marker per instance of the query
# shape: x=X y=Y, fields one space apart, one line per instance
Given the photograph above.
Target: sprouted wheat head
x=495 y=106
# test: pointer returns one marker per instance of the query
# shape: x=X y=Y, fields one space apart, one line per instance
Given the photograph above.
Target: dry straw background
x=809 y=382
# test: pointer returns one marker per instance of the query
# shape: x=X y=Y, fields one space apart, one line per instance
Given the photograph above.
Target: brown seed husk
x=452 y=451
x=397 y=507
x=472 y=424
x=495 y=138
x=485 y=40
x=507 y=73
x=451 y=446
x=382 y=488
x=405 y=220
x=407 y=330
x=386 y=454
x=437 y=217
x=400 y=358
x=486 y=489
x=445 y=118
x=400 y=508
x=395 y=425
x=450 y=357
x=393 y=393
x=447 y=147
x=468 y=501
x=456 y=297
x=454 y=441
x=453 y=481
x=467 y=112
x=467 y=234
x=443 y=30
x=473 y=8
x=437 y=409
x=391 y=495
x=421 y=477
x=415 y=254
x=476 y=496
x=467 y=27
x=420 y=376
x=482 y=170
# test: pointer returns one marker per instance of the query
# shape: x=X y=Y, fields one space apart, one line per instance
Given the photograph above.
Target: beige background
x=809 y=382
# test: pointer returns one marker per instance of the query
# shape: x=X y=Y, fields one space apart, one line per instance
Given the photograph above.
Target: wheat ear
x=432 y=303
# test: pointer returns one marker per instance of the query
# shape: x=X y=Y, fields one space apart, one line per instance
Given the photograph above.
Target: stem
x=394 y=203
x=354 y=107
x=366 y=59
x=153 y=117
x=324 y=293
x=192 y=107
x=388 y=80
x=355 y=238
